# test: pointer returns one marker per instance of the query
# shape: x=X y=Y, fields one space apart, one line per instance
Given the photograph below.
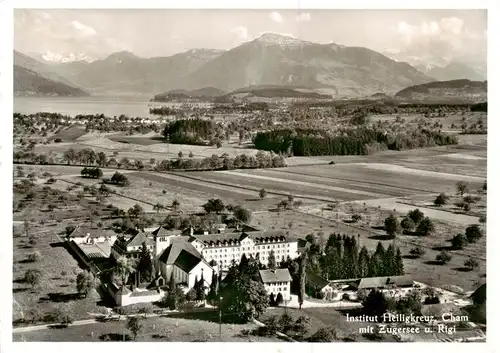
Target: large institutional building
x=191 y=257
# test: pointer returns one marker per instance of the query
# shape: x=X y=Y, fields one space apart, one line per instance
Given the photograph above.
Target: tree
x=200 y=289
x=471 y=264
x=34 y=257
x=407 y=224
x=241 y=214
x=175 y=296
x=462 y=188
x=120 y=179
x=145 y=264
x=458 y=241
x=443 y=257
x=243 y=298
x=214 y=286
x=103 y=190
x=356 y=218
x=135 y=211
x=34 y=314
x=410 y=304
x=441 y=199
x=325 y=334
x=191 y=296
x=271 y=263
x=124 y=267
x=482 y=219
x=391 y=226
x=484 y=186
x=262 y=193
x=272 y=300
x=101 y=159
x=416 y=215
x=279 y=299
x=302 y=325
x=158 y=207
x=302 y=278
x=175 y=205
x=375 y=304
x=33 y=277
x=134 y=325
x=62 y=315
x=85 y=283
x=214 y=205
x=425 y=227
x=473 y=233
x=398 y=264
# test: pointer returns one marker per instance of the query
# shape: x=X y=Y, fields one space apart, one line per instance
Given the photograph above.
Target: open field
x=343 y=182
x=372 y=186
x=468 y=158
x=58 y=269
x=157 y=329
x=143 y=147
x=424 y=269
x=447 y=121
x=478 y=208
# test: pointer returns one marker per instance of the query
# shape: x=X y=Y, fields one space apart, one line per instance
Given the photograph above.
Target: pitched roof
x=84 y=231
x=171 y=253
x=163 y=232
x=278 y=275
x=316 y=280
x=234 y=238
x=140 y=238
x=381 y=282
x=123 y=290
x=186 y=261
x=144 y=293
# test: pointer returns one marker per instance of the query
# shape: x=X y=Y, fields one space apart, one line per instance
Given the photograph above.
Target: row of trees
x=413 y=221
x=356 y=141
x=215 y=162
x=94 y=173
x=342 y=258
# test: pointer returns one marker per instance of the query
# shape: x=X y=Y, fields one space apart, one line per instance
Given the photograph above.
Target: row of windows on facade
x=253 y=253
x=262 y=258
x=226 y=263
x=278 y=289
x=277 y=284
x=236 y=249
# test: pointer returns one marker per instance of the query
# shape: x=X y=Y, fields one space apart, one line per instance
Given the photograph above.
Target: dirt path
x=420 y=172
x=305 y=183
x=393 y=204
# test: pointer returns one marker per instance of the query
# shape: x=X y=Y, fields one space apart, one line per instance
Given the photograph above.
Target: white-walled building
x=182 y=261
x=224 y=248
x=189 y=258
x=277 y=281
x=88 y=235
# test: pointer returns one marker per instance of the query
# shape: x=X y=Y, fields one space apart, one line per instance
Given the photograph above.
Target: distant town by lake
x=109 y=106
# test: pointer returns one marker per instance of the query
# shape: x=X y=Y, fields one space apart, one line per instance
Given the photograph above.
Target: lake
x=109 y=106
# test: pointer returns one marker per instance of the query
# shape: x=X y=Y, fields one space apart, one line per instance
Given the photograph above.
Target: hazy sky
x=147 y=33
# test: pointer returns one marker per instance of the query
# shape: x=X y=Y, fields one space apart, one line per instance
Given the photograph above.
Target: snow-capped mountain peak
x=66 y=57
x=270 y=38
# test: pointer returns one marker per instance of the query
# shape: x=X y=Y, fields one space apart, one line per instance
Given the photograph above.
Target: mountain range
x=445 y=69
x=271 y=59
x=463 y=90
x=31 y=83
